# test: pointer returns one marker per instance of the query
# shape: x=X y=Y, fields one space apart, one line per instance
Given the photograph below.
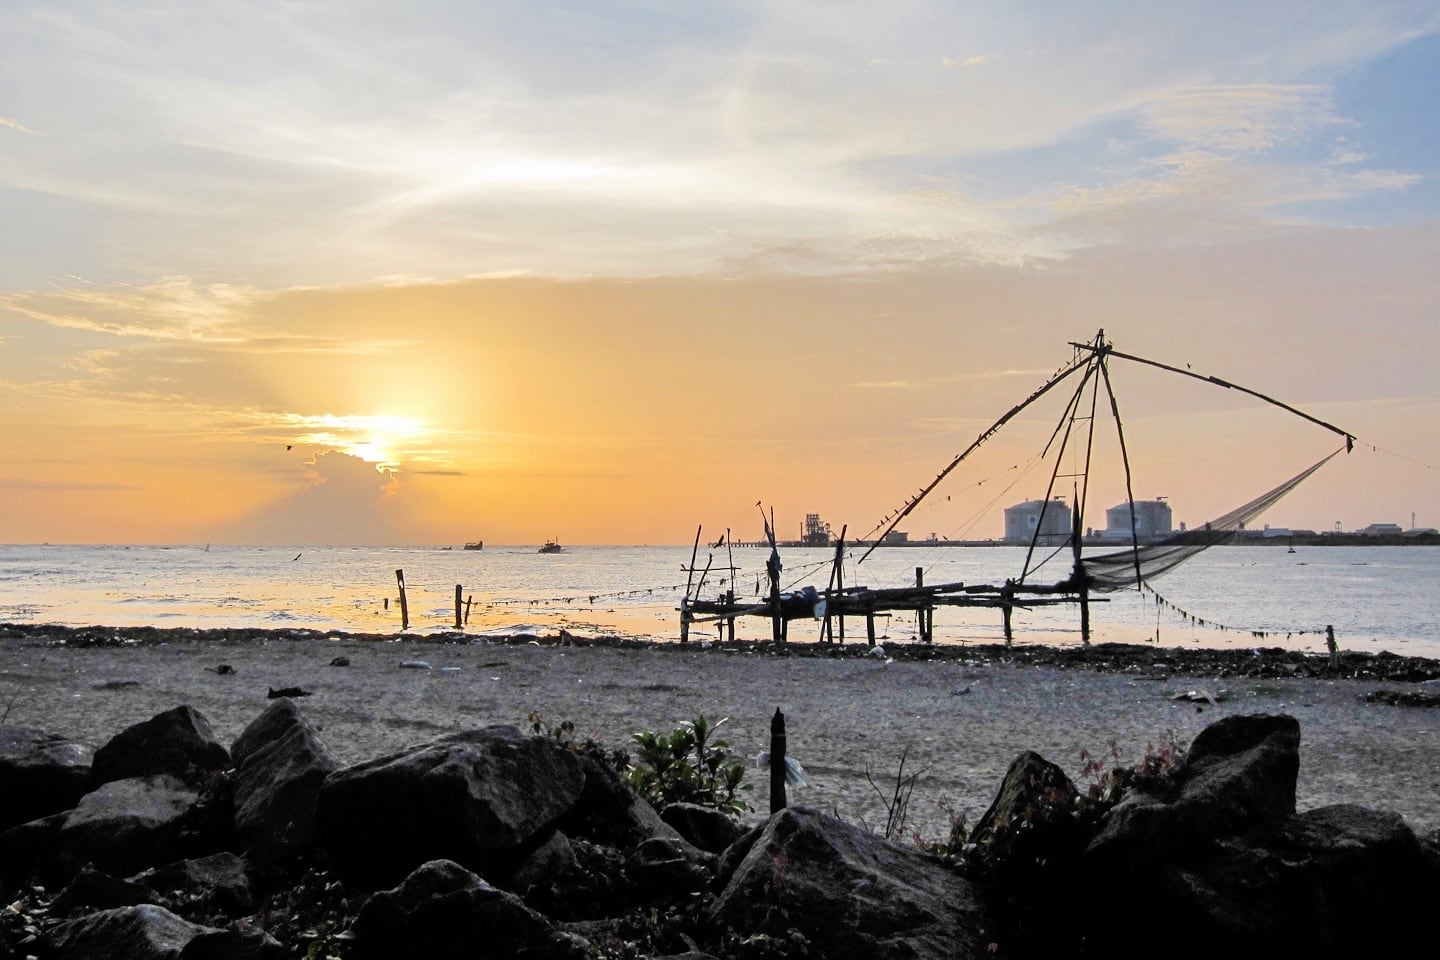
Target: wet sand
x=962 y=715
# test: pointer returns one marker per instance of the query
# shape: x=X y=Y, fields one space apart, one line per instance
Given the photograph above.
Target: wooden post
x=1332 y=646
x=404 y=607
x=467 y=610
x=685 y=620
x=870 y=624
x=1007 y=593
x=459 y=612
x=840 y=576
x=730 y=602
x=925 y=613
x=777 y=762
x=777 y=620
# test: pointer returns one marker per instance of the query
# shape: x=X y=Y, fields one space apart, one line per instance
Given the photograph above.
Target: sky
x=277 y=271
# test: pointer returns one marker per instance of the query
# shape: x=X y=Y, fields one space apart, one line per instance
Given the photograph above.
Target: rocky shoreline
x=1255 y=662
x=497 y=842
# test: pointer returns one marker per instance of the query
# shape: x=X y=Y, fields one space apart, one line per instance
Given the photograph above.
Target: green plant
x=688 y=765
x=897 y=800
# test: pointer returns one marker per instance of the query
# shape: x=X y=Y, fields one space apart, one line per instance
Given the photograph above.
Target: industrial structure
x=1043 y=522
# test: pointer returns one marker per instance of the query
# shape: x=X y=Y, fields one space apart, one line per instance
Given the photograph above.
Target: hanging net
x=1126 y=568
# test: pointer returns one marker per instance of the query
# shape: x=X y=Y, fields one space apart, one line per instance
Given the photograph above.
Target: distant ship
x=475 y=545
x=550 y=546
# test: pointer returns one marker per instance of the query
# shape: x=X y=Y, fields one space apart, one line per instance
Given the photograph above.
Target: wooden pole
x=777 y=762
x=730 y=602
x=467 y=610
x=840 y=574
x=459 y=611
x=926 y=613
x=1332 y=646
x=404 y=607
x=1007 y=593
x=870 y=624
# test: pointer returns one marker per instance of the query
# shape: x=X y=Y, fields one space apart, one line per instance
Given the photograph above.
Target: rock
x=281 y=764
x=43 y=774
x=443 y=911
x=1032 y=818
x=24 y=847
x=234 y=943
x=126 y=826
x=610 y=813
x=143 y=932
x=851 y=894
x=707 y=828
x=482 y=798
x=664 y=872
x=570 y=880
x=93 y=889
x=1238 y=775
x=177 y=742
x=219 y=882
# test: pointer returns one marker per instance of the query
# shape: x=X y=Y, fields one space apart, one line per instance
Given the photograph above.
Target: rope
x=1162 y=603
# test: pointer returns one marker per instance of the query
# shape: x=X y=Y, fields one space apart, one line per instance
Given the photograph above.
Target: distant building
x=1381 y=530
x=816 y=532
x=1046 y=522
x=897 y=536
x=1153 y=521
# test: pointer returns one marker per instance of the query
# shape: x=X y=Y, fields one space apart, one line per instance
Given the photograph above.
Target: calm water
x=1376 y=597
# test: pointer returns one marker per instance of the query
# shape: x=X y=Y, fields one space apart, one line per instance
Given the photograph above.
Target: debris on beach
x=274 y=694
x=1396 y=698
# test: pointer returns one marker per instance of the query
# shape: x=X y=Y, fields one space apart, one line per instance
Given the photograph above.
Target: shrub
x=688 y=765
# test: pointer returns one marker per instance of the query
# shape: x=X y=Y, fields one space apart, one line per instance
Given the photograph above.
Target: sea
x=1375 y=598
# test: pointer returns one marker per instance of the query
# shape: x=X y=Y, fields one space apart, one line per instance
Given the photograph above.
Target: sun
x=381 y=439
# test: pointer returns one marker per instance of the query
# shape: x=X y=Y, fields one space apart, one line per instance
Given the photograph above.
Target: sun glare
x=379 y=439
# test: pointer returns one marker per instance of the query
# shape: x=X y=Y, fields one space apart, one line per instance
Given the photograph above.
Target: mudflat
x=957 y=717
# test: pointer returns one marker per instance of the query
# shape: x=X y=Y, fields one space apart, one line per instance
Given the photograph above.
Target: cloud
x=345 y=501
x=171 y=308
x=17 y=126
x=1238 y=118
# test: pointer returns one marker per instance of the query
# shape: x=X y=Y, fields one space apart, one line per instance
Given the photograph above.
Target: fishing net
x=1126 y=568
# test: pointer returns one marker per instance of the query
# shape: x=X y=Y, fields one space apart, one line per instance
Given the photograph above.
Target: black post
x=777 y=762
x=404 y=607
x=459 y=607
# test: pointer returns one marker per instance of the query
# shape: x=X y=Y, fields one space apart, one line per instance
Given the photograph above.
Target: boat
x=550 y=546
x=475 y=545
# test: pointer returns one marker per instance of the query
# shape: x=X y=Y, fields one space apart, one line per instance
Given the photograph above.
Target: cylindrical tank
x=1050 y=518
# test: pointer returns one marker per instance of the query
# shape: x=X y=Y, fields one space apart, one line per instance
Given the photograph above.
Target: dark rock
x=610 y=813
x=177 y=742
x=443 y=911
x=1238 y=775
x=219 y=882
x=574 y=880
x=1397 y=698
x=852 y=894
x=664 y=872
x=707 y=828
x=93 y=889
x=144 y=932
x=481 y=798
x=289 y=692
x=234 y=943
x=126 y=826
x=25 y=847
x=280 y=766
x=42 y=774
x=730 y=860
x=1031 y=817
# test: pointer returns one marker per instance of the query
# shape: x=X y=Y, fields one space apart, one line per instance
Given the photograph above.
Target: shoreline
x=958 y=714
x=1108 y=657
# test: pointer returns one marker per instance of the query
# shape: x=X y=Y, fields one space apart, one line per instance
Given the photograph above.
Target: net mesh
x=1126 y=568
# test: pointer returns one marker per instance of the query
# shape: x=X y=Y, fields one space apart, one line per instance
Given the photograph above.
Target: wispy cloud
x=17 y=126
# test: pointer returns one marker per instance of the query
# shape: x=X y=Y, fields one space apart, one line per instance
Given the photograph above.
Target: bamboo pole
x=459 y=607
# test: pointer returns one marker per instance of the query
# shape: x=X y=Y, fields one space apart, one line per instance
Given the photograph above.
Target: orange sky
x=631 y=411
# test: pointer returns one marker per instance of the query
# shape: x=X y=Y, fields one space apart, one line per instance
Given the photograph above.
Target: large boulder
x=482 y=798
x=280 y=766
x=178 y=742
x=444 y=912
x=219 y=881
x=238 y=942
x=707 y=828
x=143 y=932
x=610 y=813
x=42 y=774
x=852 y=894
x=1238 y=775
x=128 y=825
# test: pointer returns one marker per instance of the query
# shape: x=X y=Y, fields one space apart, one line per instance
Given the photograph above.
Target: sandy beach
x=961 y=719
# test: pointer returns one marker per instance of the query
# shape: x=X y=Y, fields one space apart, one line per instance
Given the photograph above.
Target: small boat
x=550 y=546
x=475 y=545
